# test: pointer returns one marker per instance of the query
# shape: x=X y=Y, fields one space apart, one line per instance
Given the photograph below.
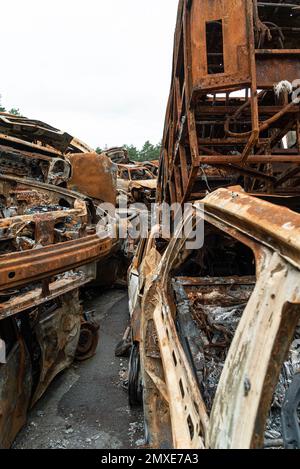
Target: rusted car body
x=94 y=175
x=138 y=183
x=152 y=166
x=118 y=155
x=53 y=241
x=40 y=343
x=231 y=118
x=35 y=150
x=219 y=328
x=219 y=333
x=139 y=274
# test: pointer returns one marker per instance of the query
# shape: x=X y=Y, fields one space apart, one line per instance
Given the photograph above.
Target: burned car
x=233 y=113
x=137 y=183
x=53 y=241
x=152 y=166
x=35 y=150
x=218 y=359
x=139 y=275
x=118 y=155
x=220 y=329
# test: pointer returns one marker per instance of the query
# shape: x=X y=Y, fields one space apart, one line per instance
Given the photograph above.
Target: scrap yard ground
x=84 y=408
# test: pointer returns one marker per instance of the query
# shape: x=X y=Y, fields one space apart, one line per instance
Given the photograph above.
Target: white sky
x=99 y=69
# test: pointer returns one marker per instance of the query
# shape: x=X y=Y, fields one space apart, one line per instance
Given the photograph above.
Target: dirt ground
x=87 y=406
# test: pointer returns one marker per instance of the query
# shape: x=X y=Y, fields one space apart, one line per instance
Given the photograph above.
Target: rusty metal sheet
x=15 y=389
x=273 y=67
x=25 y=267
x=36 y=294
x=266 y=309
x=235 y=18
x=94 y=175
x=148 y=184
x=228 y=107
x=57 y=332
x=38 y=134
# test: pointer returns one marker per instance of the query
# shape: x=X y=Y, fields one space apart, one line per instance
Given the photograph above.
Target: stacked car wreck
x=50 y=247
x=215 y=329
x=215 y=334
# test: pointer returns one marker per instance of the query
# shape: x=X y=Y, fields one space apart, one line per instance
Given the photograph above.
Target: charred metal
x=215 y=331
x=50 y=188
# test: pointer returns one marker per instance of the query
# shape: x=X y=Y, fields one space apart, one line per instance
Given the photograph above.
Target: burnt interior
x=48 y=218
x=136 y=174
x=282 y=24
x=34 y=167
x=211 y=290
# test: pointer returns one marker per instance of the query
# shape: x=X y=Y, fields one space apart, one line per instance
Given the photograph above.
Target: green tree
x=99 y=150
x=149 y=152
x=15 y=112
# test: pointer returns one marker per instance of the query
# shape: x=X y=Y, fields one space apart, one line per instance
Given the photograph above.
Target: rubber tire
x=135 y=389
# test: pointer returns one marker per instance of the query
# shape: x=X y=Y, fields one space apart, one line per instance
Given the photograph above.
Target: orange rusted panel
x=15 y=385
x=234 y=19
x=57 y=334
x=272 y=66
x=28 y=266
x=231 y=101
x=94 y=175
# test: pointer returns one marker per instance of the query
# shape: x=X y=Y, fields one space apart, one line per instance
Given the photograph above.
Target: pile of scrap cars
x=50 y=187
x=55 y=239
x=214 y=336
x=215 y=330
x=137 y=182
